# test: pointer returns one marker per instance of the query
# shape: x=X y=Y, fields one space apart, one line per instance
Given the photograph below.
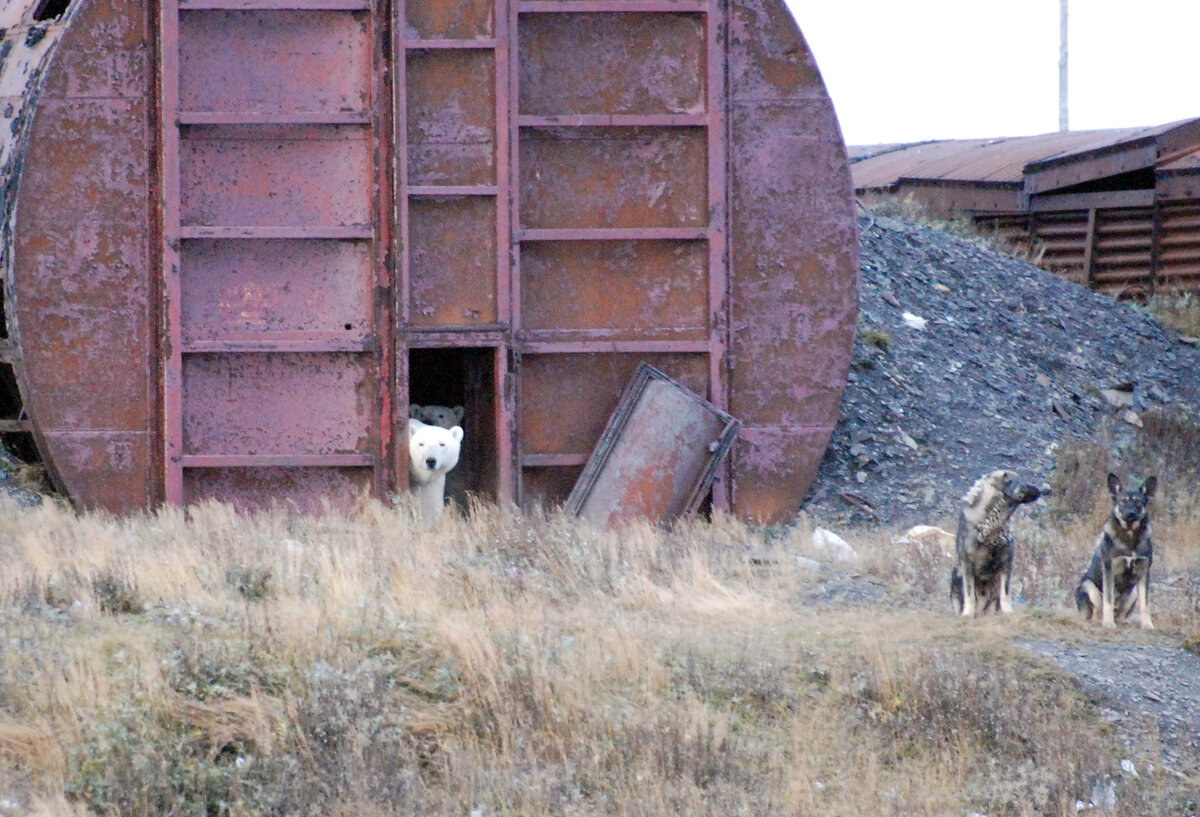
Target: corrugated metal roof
x=997 y=161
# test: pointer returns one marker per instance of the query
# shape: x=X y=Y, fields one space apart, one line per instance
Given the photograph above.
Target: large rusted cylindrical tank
x=249 y=233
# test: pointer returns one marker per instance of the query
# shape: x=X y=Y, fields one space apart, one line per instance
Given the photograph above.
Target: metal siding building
x=1117 y=210
x=249 y=232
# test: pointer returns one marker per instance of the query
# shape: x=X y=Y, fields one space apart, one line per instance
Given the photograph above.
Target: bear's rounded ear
x=457 y=433
x=414 y=426
x=1114 y=484
x=457 y=411
x=414 y=410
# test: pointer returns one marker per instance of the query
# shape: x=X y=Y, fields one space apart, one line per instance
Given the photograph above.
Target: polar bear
x=443 y=416
x=432 y=452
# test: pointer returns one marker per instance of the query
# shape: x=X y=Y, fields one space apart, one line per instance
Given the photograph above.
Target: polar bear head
x=443 y=416
x=432 y=450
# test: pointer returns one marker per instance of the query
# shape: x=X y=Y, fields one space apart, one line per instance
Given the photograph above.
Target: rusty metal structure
x=29 y=33
x=1116 y=210
x=247 y=233
x=658 y=455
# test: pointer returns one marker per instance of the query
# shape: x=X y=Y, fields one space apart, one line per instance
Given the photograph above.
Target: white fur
x=432 y=452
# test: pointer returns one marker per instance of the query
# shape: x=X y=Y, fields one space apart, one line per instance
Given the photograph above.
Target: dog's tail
x=956 y=591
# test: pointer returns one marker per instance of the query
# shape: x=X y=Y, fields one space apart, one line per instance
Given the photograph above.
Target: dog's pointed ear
x=1149 y=486
x=1114 y=484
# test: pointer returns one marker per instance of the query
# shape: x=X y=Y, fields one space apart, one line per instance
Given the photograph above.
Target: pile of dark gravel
x=1011 y=360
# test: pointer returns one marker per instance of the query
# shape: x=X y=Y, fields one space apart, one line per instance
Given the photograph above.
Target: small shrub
x=1077 y=478
x=1192 y=643
x=253 y=583
x=874 y=337
x=1178 y=312
x=116 y=591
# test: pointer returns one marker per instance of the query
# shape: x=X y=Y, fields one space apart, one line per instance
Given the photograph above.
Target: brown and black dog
x=984 y=546
x=1119 y=574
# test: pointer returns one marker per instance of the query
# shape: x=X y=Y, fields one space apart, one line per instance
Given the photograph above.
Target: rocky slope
x=968 y=360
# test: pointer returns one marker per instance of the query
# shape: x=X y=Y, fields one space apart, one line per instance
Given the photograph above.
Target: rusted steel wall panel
x=651 y=290
x=632 y=177
x=566 y=399
x=259 y=181
x=302 y=489
x=286 y=289
x=568 y=62
x=773 y=466
x=274 y=62
x=451 y=117
x=453 y=281
x=1041 y=177
x=1063 y=243
x=271 y=404
x=241 y=176
x=440 y=20
x=949 y=199
x=1179 y=255
x=793 y=280
x=1123 y=252
x=81 y=283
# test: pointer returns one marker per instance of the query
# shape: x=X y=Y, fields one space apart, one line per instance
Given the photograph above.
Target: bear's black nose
x=430 y=462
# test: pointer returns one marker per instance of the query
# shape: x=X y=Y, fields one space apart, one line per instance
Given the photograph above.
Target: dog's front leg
x=1005 y=597
x=1143 y=603
x=968 y=587
x=1107 y=618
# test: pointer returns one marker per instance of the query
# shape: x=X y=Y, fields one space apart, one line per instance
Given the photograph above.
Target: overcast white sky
x=910 y=70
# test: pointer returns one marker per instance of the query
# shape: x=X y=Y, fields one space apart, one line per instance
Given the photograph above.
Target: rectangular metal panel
x=106 y=280
x=276 y=289
x=570 y=64
x=305 y=489
x=451 y=104
x=566 y=399
x=452 y=280
x=260 y=404
x=438 y=19
x=767 y=470
x=273 y=175
x=657 y=456
x=1179 y=254
x=275 y=160
x=633 y=177
x=274 y=61
x=115 y=465
x=651 y=290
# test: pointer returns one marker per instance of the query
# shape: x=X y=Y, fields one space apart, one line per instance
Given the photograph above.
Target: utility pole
x=1063 y=122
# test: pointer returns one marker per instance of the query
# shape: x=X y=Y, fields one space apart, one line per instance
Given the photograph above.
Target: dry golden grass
x=501 y=664
x=1180 y=312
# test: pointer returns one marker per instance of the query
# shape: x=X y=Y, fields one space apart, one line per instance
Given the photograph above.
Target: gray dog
x=981 y=578
x=1119 y=574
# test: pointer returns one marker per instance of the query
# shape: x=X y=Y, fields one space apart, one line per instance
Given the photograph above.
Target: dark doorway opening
x=463 y=377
